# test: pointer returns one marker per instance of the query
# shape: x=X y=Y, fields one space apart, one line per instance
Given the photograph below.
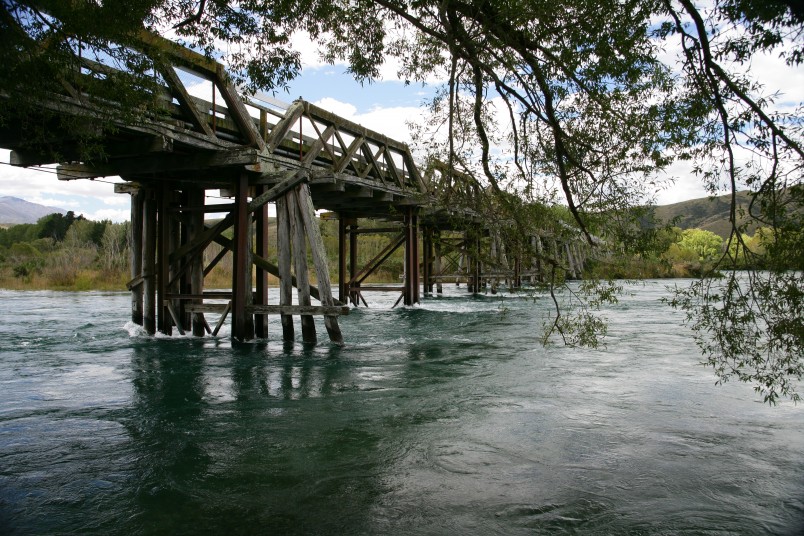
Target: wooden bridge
x=257 y=151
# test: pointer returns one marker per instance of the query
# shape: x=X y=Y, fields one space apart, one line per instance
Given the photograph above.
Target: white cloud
x=390 y=121
x=115 y=215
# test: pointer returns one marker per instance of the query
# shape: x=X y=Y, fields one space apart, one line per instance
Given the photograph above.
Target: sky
x=385 y=105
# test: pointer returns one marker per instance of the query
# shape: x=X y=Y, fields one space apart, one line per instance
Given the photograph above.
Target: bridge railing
x=299 y=133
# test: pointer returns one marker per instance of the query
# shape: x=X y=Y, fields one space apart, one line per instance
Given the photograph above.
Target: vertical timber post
x=195 y=201
x=261 y=296
x=353 y=291
x=307 y=213
x=242 y=323
x=149 y=261
x=427 y=259
x=437 y=262
x=411 y=257
x=163 y=259
x=137 y=199
x=341 y=258
x=283 y=258
x=300 y=265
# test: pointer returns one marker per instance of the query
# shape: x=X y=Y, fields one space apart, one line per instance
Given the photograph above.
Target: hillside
x=14 y=210
x=708 y=213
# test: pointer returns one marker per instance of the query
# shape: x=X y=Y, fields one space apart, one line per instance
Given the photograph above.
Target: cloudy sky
x=385 y=106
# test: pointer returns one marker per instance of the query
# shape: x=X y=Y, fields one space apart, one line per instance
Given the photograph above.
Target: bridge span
x=257 y=151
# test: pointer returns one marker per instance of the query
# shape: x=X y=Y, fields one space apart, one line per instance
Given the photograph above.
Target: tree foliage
x=566 y=100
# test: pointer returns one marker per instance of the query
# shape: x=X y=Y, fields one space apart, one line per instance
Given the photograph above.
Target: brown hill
x=708 y=213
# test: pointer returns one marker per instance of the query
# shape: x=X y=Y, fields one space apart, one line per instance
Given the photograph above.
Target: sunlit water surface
x=446 y=418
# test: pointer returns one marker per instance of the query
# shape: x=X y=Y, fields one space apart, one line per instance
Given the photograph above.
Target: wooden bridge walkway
x=255 y=151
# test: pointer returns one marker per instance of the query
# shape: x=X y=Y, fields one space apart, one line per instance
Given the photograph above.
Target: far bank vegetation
x=69 y=252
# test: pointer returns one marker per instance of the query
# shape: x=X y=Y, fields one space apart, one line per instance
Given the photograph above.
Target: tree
x=561 y=100
x=706 y=245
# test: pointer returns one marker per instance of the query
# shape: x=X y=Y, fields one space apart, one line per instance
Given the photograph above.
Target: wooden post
x=411 y=292
x=195 y=200
x=300 y=266
x=283 y=254
x=307 y=212
x=137 y=200
x=341 y=258
x=175 y=308
x=416 y=256
x=261 y=295
x=242 y=323
x=149 y=261
x=437 y=262
x=353 y=293
x=164 y=323
x=427 y=260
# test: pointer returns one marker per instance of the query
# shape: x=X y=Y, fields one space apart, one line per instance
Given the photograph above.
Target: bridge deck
x=186 y=139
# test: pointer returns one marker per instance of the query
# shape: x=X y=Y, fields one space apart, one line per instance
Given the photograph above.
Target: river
x=445 y=418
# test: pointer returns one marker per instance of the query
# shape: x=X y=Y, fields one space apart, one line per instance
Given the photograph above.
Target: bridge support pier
x=411 y=291
x=169 y=239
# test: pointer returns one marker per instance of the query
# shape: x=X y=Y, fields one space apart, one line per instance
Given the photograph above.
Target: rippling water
x=448 y=418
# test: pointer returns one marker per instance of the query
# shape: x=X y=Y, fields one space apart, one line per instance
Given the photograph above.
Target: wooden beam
x=299 y=310
x=238 y=111
x=292 y=179
x=284 y=258
x=300 y=265
x=187 y=103
x=149 y=262
x=316 y=242
x=284 y=125
x=222 y=319
x=242 y=323
x=189 y=58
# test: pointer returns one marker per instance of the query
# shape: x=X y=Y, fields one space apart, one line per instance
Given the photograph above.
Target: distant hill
x=708 y=213
x=14 y=210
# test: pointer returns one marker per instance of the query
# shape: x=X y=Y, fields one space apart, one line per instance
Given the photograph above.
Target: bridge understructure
x=256 y=152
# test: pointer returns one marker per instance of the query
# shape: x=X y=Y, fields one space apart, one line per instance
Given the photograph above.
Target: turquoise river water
x=445 y=418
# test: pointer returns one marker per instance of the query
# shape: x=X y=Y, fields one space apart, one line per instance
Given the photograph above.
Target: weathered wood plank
x=238 y=110
x=135 y=251
x=284 y=125
x=242 y=323
x=174 y=316
x=284 y=259
x=149 y=262
x=316 y=242
x=222 y=319
x=331 y=310
x=300 y=265
x=188 y=106
x=261 y=249
x=292 y=179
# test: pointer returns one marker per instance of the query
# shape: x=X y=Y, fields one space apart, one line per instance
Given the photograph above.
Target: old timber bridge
x=300 y=157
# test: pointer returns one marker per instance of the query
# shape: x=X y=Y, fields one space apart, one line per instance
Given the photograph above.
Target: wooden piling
x=149 y=228
x=353 y=292
x=300 y=267
x=284 y=260
x=135 y=249
x=164 y=322
x=261 y=247
x=307 y=213
x=195 y=200
x=342 y=238
x=437 y=261
x=242 y=322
